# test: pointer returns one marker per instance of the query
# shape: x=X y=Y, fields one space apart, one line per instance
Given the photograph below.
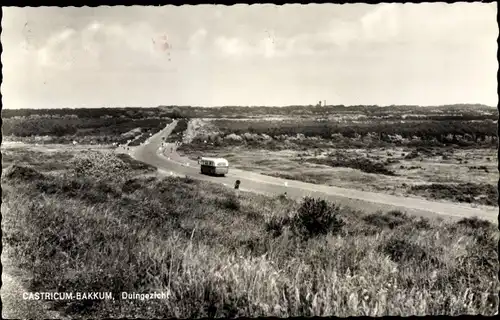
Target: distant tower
x=324 y=103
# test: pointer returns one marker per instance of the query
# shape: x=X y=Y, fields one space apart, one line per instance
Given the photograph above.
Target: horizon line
x=260 y=106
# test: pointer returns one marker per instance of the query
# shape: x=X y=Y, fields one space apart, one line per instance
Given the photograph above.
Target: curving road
x=151 y=152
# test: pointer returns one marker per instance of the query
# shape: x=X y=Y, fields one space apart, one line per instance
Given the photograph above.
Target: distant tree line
x=95 y=113
x=25 y=127
x=441 y=131
x=450 y=112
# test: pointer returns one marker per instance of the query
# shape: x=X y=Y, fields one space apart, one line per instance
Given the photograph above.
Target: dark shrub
x=276 y=224
x=176 y=113
x=131 y=185
x=317 y=217
x=390 y=220
x=404 y=251
x=231 y=202
x=422 y=224
x=22 y=173
x=188 y=179
x=480 y=193
x=475 y=223
x=397 y=214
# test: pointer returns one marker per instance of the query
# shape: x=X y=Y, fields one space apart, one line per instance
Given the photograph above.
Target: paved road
x=367 y=201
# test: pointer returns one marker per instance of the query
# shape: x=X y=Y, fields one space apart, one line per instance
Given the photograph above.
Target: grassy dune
x=216 y=253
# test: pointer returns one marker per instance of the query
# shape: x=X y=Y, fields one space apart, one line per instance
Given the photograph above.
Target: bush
x=232 y=203
x=317 y=217
x=390 y=220
x=480 y=193
x=276 y=224
x=187 y=179
x=176 y=113
x=421 y=224
x=84 y=188
x=400 y=250
x=131 y=185
x=22 y=173
x=363 y=164
x=102 y=166
x=134 y=164
x=475 y=223
x=177 y=132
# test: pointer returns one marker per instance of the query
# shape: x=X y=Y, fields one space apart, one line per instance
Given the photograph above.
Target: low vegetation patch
x=137 y=166
x=178 y=131
x=391 y=219
x=98 y=165
x=17 y=172
x=86 y=130
x=43 y=161
x=309 y=177
x=480 y=193
x=480 y=168
x=362 y=164
x=139 y=140
x=215 y=253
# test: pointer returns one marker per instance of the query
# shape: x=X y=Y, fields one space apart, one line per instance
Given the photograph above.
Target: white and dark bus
x=214 y=166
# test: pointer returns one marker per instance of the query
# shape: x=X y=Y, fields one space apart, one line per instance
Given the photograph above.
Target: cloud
x=382 y=24
x=109 y=46
x=115 y=51
x=268 y=47
x=233 y=46
x=392 y=24
x=56 y=51
x=197 y=40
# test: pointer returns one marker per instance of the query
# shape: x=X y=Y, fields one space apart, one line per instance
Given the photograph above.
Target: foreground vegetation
x=101 y=227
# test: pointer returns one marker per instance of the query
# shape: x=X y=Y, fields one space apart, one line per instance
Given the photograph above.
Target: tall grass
x=218 y=254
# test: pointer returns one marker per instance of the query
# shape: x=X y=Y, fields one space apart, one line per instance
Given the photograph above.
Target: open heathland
x=103 y=225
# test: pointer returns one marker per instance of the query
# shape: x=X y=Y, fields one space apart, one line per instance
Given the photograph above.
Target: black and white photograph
x=249 y=161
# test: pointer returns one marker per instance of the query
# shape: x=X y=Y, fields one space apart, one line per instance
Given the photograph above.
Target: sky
x=258 y=55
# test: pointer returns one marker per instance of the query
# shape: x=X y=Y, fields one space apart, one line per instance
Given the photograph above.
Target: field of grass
x=435 y=173
x=100 y=226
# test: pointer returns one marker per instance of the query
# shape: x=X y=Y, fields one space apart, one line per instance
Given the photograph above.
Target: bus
x=214 y=166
